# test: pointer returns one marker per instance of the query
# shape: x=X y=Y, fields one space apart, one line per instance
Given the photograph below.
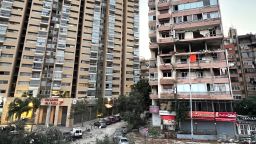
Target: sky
x=240 y=14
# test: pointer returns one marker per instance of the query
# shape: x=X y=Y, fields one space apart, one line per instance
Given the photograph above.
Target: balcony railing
x=212 y=95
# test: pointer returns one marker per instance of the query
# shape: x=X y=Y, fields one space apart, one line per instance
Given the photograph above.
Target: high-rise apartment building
x=67 y=49
x=247 y=52
x=230 y=43
x=189 y=67
x=242 y=56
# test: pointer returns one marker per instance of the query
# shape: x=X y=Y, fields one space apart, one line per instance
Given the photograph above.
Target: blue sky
x=240 y=14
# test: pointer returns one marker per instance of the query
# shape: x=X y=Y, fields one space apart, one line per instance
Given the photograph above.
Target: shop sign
x=52 y=101
x=246 y=118
x=154 y=109
x=218 y=116
x=168 y=119
x=165 y=112
x=203 y=115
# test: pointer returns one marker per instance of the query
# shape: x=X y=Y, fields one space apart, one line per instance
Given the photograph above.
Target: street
x=96 y=133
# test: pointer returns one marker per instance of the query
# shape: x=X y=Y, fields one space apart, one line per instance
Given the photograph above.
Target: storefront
x=60 y=111
x=211 y=125
x=246 y=125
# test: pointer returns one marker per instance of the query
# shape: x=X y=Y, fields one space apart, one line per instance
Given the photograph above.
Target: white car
x=123 y=140
x=76 y=132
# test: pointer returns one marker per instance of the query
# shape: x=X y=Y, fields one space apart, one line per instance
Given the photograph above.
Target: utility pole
x=190 y=95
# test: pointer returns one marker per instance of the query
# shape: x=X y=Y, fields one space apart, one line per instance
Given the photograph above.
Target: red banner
x=217 y=116
x=168 y=117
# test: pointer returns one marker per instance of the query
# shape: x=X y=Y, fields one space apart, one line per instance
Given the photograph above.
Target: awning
x=168 y=117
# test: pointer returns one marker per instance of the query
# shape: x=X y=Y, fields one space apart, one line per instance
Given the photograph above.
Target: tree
x=246 y=106
x=80 y=110
x=144 y=89
x=18 y=106
x=181 y=113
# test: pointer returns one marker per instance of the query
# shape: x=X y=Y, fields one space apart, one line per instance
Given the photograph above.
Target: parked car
x=118 y=133
x=122 y=140
x=76 y=132
x=112 y=119
x=107 y=120
x=118 y=118
x=100 y=124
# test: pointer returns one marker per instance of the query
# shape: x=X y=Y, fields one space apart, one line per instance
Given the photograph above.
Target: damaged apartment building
x=242 y=60
x=187 y=55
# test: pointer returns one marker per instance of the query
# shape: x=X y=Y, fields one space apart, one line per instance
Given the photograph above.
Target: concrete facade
x=188 y=58
x=68 y=49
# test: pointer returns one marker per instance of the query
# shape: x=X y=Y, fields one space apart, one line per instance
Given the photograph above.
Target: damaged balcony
x=164 y=16
x=153 y=46
x=153 y=96
x=210 y=34
x=205 y=96
x=208 y=55
x=168 y=92
x=151 y=3
x=163 y=4
x=164 y=24
x=196 y=24
x=167 y=81
x=216 y=75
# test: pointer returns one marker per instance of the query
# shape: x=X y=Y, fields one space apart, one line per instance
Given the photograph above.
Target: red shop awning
x=168 y=117
x=226 y=119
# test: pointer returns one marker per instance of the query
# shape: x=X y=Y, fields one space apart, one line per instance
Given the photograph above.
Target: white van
x=76 y=132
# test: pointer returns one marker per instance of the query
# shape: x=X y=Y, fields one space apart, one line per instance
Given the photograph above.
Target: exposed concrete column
x=56 y=115
x=41 y=115
x=37 y=114
x=68 y=120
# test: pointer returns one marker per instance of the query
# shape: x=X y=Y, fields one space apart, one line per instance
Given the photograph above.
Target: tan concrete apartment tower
x=67 y=50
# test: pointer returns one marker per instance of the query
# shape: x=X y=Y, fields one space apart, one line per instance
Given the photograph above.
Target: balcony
x=167 y=80
x=152 y=34
x=165 y=40
x=202 y=64
x=153 y=46
x=163 y=4
x=166 y=67
x=151 y=3
x=164 y=16
x=165 y=27
x=153 y=96
x=152 y=23
x=206 y=95
x=153 y=82
x=167 y=94
x=195 y=11
x=203 y=23
x=152 y=70
x=209 y=79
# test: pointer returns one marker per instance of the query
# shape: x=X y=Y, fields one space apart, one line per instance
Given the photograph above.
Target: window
x=213 y=2
x=2 y=91
x=243 y=129
x=5 y=64
x=167 y=74
x=23 y=83
x=3 y=29
x=4 y=73
x=3 y=82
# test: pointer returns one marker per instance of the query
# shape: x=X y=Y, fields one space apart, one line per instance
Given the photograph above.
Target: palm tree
x=19 y=106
